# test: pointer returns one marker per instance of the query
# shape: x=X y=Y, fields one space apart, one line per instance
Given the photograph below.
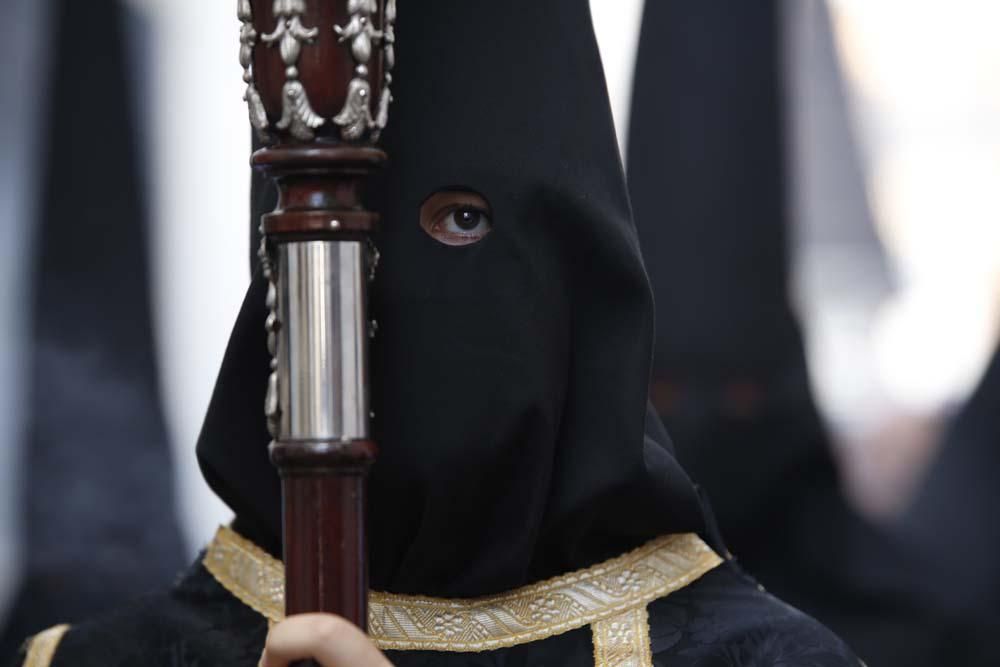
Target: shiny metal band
x=322 y=367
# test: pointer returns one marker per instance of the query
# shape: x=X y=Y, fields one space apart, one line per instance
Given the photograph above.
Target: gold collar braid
x=603 y=592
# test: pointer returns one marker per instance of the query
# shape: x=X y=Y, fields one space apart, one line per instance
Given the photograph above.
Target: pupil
x=467 y=218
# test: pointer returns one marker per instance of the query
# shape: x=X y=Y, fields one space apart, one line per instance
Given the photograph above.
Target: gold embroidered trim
x=42 y=647
x=531 y=613
x=623 y=641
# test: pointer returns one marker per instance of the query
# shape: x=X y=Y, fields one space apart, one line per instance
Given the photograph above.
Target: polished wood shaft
x=317 y=75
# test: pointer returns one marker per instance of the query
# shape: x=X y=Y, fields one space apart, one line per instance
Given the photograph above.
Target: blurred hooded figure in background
x=707 y=182
x=952 y=521
x=709 y=188
x=511 y=377
x=96 y=499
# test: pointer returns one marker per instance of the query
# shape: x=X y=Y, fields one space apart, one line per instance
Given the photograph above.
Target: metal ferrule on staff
x=311 y=67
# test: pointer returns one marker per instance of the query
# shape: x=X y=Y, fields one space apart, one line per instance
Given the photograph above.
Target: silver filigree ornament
x=272 y=405
x=248 y=40
x=355 y=118
x=388 y=62
x=297 y=115
x=374 y=257
x=359 y=29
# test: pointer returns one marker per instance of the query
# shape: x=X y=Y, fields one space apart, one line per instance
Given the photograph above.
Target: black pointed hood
x=510 y=376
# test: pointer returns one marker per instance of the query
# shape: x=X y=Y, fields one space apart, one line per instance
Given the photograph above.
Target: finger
x=329 y=640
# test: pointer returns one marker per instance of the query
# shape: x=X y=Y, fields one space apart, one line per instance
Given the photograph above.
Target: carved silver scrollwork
x=297 y=115
x=388 y=62
x=355 y=119
x=356 y=116
x=248 y=40
x=272 y=403
x=374 y=257
x=359 y=29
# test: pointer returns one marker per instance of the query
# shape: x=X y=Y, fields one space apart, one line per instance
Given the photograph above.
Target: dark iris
x=468 y=218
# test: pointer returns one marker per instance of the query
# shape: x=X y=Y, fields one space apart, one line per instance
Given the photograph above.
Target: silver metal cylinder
x=321 y=362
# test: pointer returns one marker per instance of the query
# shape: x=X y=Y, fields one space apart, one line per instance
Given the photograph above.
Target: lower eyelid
x=464 y=235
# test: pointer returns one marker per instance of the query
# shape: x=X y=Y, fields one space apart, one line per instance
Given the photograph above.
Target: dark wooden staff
x=318 y=74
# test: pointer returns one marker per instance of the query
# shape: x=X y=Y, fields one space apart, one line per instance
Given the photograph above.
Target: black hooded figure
x=93 y=396
x=510 y=397
x=952 y=521
x=954 y=514
x=709 y=189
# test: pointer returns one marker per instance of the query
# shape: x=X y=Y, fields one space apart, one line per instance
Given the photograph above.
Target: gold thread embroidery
x=42 y=647
x=623 y=641
x=531 y=613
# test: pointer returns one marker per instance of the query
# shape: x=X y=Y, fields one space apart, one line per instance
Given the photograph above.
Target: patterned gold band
x=623 y=641
x=617 y=590
x=42 y=647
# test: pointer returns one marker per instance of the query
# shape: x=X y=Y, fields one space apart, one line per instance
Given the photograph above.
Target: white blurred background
x=201 y=190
